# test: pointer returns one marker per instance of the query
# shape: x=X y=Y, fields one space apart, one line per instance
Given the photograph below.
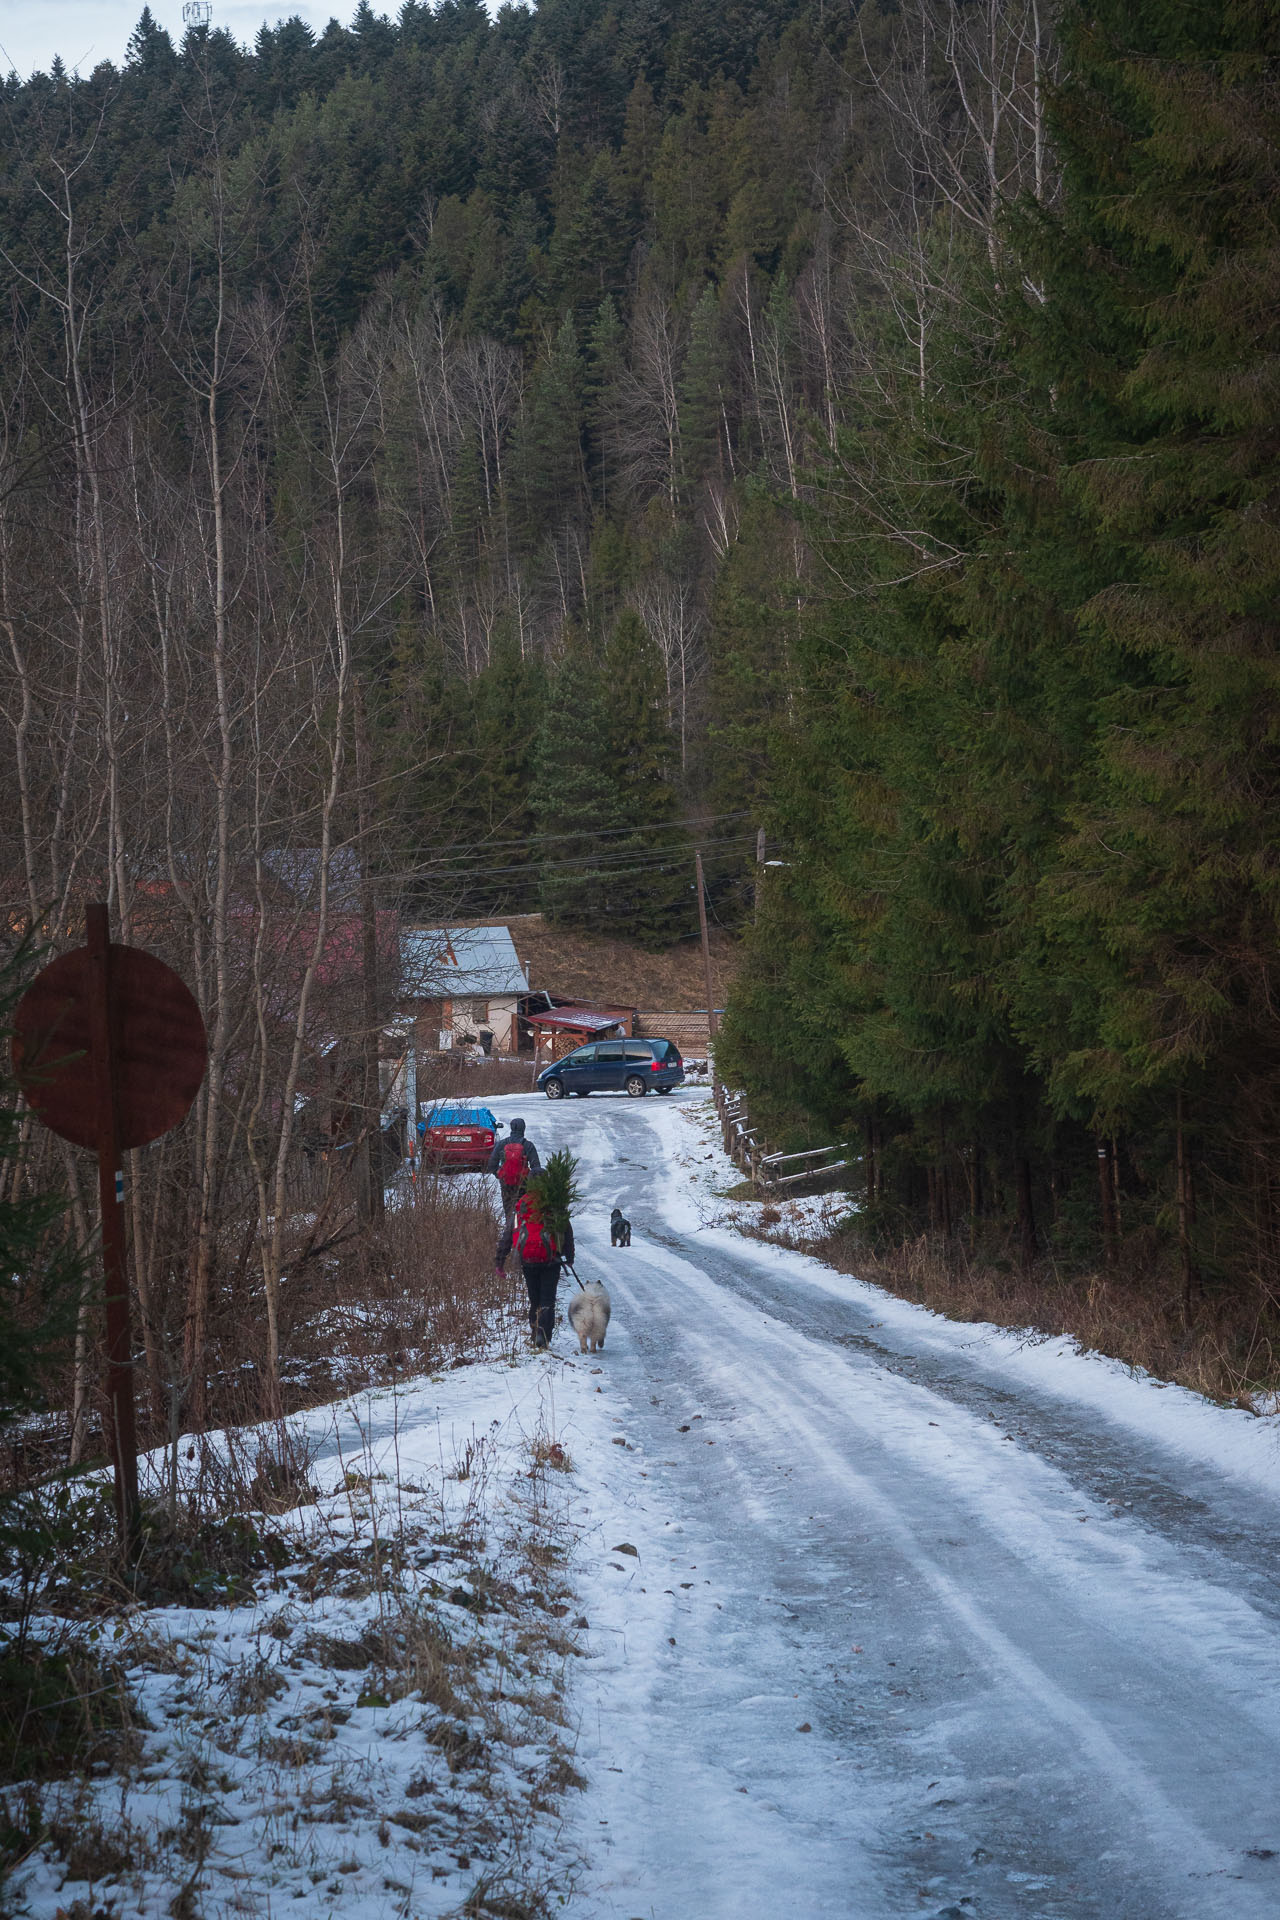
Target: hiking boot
x=499 y=1273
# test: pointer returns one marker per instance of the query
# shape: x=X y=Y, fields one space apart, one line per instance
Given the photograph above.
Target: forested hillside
x=519 y=449
x=510 y=331
x=1028 y=935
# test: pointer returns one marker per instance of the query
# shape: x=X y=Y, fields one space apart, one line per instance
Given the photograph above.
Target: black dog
x=619 y=1229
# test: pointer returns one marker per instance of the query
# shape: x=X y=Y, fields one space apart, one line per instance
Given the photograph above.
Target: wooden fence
x=751 y=1155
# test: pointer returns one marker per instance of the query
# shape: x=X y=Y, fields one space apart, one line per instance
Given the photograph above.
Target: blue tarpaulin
x=459 y=1117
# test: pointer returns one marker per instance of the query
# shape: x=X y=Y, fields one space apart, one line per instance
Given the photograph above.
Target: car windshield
x=579 y=1057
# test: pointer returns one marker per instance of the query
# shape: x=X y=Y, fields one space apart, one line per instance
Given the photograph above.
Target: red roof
x=579 y=1020
x=292 y=942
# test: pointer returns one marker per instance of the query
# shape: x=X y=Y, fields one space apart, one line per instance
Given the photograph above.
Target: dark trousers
x=542 y=1279
x=510 y=1195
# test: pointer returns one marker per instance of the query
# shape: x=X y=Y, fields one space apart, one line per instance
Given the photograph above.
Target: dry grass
x=414 y=1294
x=1133 y=1313
x=575 y=964
x=455 y=1076
x=545 y=1452
x=476 y=1642
x=359 y=1306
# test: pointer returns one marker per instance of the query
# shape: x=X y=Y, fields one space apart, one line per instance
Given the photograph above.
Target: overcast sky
x=86 y=31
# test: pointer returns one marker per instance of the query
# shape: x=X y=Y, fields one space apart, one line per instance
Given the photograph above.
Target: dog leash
x=573 y=1270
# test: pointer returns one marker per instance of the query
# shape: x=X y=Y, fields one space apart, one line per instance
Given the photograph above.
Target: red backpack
x=512 y=1168
x=535 y=1241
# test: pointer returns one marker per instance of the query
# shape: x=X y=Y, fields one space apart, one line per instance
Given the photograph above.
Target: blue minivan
x=615 y=1066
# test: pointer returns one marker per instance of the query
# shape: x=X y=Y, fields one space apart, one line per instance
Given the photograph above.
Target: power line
x=586 y=833
x=621 y=860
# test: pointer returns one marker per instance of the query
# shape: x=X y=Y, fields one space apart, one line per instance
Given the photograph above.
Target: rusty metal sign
x=109 y=1049
x=158 y=1046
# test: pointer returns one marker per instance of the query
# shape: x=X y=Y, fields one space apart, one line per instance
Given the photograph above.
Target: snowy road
x=916 y=1623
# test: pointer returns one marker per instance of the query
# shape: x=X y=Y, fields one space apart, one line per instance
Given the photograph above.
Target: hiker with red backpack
x=515 y=1161
x=544 y=1240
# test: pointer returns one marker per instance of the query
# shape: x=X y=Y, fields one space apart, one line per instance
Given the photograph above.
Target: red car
x=454 y=1139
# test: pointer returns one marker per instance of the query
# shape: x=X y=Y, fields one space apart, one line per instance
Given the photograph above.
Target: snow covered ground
x=838 y=1608
x=381 y=1726
x=923 y=1618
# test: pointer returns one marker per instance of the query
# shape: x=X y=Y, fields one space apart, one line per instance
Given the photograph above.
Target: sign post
x=145 y=1041
x=121 y=1435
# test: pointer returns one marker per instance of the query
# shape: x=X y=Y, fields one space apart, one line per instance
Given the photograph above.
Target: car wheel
x=636 y=1086
x=554 y=1090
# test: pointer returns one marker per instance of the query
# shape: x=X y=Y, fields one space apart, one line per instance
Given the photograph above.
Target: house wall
x=502 y=1021
x=498 y=1016
x=431 y=1018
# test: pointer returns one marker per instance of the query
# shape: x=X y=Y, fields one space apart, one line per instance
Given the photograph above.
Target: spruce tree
x=753 y=630
x=604 y=803
x=652 y=900
x=1161 y=315
x=702 y=394
x=602 y=384
x=507 y=702
x=548 y=474
x=575 y=800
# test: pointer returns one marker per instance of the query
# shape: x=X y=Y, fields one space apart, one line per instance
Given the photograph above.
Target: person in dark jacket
x=515 y=1162
x=543 y=1251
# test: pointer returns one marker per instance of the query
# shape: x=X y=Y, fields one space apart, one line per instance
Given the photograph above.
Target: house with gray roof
x=460 y=984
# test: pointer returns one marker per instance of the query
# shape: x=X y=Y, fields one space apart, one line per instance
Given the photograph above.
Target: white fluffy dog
x=589 y=1312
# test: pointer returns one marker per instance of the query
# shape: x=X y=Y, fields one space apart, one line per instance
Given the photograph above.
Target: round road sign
x=159 y=1050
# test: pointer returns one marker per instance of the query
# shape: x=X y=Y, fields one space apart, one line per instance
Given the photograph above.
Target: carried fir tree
x=555 y=1192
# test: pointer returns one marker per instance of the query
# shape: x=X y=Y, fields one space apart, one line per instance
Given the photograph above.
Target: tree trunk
x=1107 y=1195
x=1186 y=1215
x=1028 y=1239
x=195 y=1328
x=370 y=1191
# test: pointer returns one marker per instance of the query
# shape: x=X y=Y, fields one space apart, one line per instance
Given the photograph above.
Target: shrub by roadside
x=412 y=1293
x=359 y=1697
x=460 y=1076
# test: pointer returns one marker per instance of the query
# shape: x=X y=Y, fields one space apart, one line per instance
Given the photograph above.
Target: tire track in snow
x=1121 y=1743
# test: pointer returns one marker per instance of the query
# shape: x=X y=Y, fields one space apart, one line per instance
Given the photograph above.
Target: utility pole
x=706 y=947
x=759 y=871
x=369 y=1168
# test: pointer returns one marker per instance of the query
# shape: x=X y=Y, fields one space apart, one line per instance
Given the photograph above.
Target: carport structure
x=559 y=1029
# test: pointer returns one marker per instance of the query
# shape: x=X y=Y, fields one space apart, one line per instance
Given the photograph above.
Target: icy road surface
x=920 y=1619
